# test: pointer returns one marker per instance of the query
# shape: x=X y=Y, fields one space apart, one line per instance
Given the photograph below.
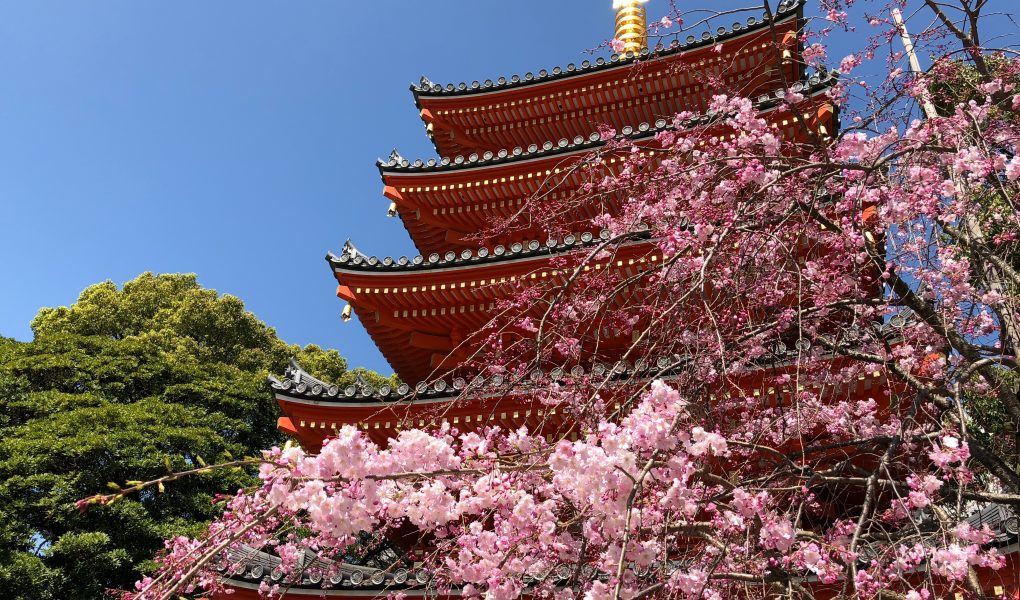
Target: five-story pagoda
x=503 y=144
x=504 y=147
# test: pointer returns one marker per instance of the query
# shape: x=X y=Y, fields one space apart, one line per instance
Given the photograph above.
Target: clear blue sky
x=235 y=139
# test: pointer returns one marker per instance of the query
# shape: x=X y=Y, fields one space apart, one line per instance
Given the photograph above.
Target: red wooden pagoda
x=499 y=143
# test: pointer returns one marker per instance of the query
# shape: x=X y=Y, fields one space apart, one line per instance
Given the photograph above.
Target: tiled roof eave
x=397 y=165
x=518 y=252
x=318 y=591
x=486 y=388
x=255 y=566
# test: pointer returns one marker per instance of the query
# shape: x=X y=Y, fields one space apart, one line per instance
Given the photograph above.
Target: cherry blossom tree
x=819 y=374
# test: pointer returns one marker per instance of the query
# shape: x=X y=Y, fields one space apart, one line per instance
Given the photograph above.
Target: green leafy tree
x=128 y=384
x=958 y=82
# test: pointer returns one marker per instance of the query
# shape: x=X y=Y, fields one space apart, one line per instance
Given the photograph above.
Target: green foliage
x=118 y=387
x=329 y=366
x=954 y=81
x=991 y=423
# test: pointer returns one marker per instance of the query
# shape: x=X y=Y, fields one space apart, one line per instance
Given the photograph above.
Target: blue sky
x=235 y=139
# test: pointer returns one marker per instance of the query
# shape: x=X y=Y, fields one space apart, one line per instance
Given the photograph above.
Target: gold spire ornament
x=631 y=25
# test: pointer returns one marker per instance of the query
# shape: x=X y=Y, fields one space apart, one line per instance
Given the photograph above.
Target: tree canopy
x=130 y=383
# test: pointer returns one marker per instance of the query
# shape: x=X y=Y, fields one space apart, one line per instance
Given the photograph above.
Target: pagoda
x=501 y=143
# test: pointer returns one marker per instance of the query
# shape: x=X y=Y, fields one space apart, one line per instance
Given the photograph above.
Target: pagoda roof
x=1003 y=522
x=423 y=317
x=314 y=413
x=320 y=574
x=350 y=260
x=444 y=203
x=297 y=383
x=296 y=388
x=480 y=386
x=785 y=10
x=397 y=164
x=420 y=310
x=625 y=89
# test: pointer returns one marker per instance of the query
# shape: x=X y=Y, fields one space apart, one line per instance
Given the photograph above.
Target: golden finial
x=631 y=24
